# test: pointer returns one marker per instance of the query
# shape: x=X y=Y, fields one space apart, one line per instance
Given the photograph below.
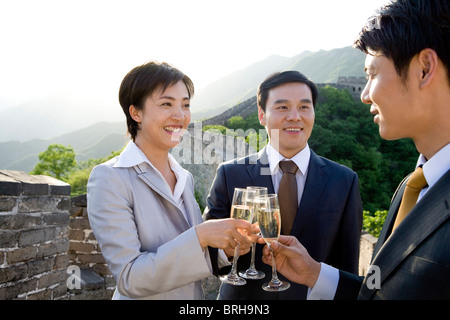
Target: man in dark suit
x=327 y=214
x=408 y=68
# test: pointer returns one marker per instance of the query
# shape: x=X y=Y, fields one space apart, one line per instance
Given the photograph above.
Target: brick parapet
x=34 y=216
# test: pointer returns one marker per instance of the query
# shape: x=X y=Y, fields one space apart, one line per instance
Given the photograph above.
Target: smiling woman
x=141 y=204
x=146 y=85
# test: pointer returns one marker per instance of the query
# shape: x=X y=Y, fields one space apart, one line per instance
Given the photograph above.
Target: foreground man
x=408 y=89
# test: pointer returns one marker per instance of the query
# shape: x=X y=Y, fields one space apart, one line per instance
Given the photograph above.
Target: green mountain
x=94 y=141
x=321 y=67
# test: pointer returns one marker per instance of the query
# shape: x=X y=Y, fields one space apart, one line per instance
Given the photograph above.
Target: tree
x=79 y=177
x=222 y=129
x=236 y=122
x=57 y=161
x=252 y=122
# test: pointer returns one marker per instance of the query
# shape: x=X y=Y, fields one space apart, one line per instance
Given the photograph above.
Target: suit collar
x=192 y=208
x=429 y=213
x=390 y=218
x=315 y=184
x=301 y=159
x=132 y=156
x=259 y=171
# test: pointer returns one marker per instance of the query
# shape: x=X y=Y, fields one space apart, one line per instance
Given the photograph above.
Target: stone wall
x=96 y=281
x=367 y=244
x=44 y=234
x=201 y=152
x=34 y=216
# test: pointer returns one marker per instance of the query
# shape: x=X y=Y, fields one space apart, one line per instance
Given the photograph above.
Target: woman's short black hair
x=142 y=81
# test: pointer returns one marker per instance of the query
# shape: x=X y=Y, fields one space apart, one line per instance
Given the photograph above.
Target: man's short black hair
x=280 y=78
x=403 y=28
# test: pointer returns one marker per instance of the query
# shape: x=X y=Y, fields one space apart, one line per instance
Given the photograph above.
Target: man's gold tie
x=416 y=182
x=287 y=196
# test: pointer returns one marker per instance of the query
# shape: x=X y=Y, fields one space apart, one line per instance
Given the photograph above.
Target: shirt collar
x=181 y=175
x=301 y=159
x=132 y=156
x=437 y=166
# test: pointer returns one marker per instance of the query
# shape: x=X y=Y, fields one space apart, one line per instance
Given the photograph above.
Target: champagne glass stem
x=251 y=272
x=235 y=259
x=252 y=261
x=275 y=281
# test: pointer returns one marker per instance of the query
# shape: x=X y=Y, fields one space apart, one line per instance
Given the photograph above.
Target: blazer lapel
x=192 y=209
x=260 y=171
x=154 y=181
x=429 y=213
x=314 y=186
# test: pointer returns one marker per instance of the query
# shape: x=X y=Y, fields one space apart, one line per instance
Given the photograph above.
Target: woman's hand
x=226 y=234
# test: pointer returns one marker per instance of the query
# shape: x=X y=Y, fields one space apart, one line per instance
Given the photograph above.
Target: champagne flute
x=251 y=272
x=241 y=208
x=269 y=220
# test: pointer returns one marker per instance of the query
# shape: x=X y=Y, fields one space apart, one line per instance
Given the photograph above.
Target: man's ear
x=135 y=113
x=261 y=116
x=428 y=61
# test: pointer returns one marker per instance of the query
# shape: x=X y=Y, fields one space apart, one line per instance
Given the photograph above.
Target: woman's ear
x=428 y=61
x=135 y=113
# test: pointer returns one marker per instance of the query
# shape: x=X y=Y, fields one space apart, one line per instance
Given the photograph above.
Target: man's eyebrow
x=280 y=101
x=286 y=100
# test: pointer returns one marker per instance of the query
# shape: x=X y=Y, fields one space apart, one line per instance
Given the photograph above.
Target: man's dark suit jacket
x=328 y=221
x=414 y=261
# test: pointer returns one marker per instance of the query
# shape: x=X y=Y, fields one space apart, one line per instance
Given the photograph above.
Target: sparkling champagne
x=241 y=208
x=241 y=212
x=269 y=223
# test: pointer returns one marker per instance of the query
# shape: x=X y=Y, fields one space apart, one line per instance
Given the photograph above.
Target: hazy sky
x=85 y=47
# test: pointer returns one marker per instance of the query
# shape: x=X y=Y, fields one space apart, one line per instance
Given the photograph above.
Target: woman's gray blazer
x=150 y=246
